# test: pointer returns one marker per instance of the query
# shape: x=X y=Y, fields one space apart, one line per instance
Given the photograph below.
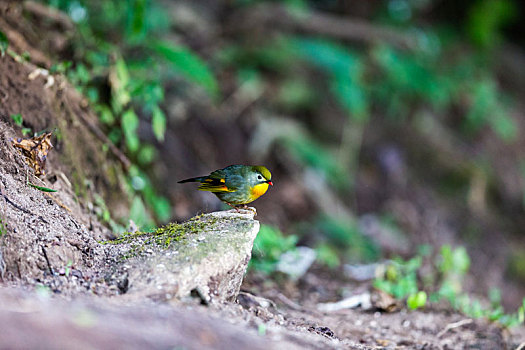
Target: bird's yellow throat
x=259 y=190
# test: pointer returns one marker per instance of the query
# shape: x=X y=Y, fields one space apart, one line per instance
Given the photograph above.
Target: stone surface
x=32 y=321
x=207 y=255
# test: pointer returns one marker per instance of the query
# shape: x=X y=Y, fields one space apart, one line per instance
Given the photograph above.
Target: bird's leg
x=233 y=206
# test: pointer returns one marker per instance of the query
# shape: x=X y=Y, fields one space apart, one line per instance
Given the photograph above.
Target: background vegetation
x=387 y=125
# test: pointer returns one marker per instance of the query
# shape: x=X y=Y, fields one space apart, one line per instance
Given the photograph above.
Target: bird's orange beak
x=270 y=183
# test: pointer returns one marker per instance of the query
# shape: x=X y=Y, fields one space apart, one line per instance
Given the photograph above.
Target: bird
x=236 y=184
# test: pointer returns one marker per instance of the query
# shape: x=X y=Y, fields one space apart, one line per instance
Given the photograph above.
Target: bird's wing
x=218 y=181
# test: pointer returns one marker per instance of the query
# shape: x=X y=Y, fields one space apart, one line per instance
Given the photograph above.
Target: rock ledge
x=208 y=254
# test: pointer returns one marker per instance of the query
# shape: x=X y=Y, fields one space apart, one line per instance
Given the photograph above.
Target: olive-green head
x=260 y=174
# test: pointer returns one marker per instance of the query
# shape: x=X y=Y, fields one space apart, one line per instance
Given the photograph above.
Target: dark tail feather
x=193 y=179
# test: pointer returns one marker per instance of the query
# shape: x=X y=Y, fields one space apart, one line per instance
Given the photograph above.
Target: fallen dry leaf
x=35 y=150
x=384 y=301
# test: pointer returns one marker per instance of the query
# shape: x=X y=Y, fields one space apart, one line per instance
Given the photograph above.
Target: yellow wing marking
x=214 y=188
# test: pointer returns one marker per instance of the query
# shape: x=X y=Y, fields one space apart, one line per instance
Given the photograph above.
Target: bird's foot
x=252 y=209
x=243 y=207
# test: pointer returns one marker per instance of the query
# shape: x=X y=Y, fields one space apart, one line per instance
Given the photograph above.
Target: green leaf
x=40 y=188
x=188 y=65
x=130 y=124
x=115 y=135
x=146 y=155
x=329 y=56
x=486 y=17
x=4 y=43
x=346 y=72
x=295 y=94
x=148 y=93
x=461 y=260
x=495 y=297
x=139 y=214
x=346 y=237
x=327 y=255
x=80 y=76
x=269 y=245
x=119 y=80
x=158 y=123
x=162 y=208
x=504 y=126
x=136 y=28
x=17 y=118
x=417 y=300
x=487 y=107
x=351 y=96
x=311 y=152
x=521 y=312
x=61 y=67
x=105 y=114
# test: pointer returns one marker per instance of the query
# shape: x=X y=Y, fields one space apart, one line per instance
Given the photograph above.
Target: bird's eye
x=259 y=177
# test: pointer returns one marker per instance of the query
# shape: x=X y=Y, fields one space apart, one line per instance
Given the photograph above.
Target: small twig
x=521 y=346
x=286 y=301
x=48 y=263
x=49 y=13
x=238 y=102
x=315 y=22
x=102 y=137
x=46 y=191
x=454 y=325
x=17 y=206
x=2 y=193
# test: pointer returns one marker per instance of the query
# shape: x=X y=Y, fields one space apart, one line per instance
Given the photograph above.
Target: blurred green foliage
x=118 y=46
x=345 y=71
x=400 y=277
x=268 y=247
x=2 y=227
x=188 y=64
x=312 y=153
x=442 y=279
x=441 y=76
x=417 y=300
x=4 y=43
x=126 y=51
x=345 y=237
x=327 y=255
x=19 y=121
x=516 y=264
x=438 y=76
x=486 y=19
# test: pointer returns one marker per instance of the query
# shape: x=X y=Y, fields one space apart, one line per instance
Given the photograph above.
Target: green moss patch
x=163 y=237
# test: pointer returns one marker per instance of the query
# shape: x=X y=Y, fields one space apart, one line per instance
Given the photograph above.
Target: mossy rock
x=208 y=253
